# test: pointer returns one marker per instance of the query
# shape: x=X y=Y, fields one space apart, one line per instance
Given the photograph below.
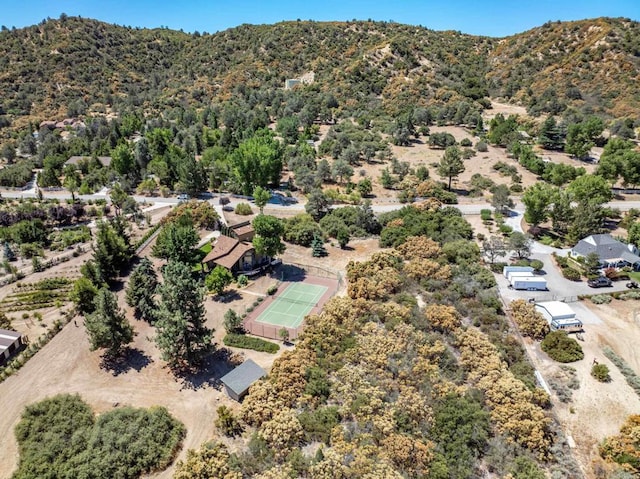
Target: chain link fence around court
x=290 y=273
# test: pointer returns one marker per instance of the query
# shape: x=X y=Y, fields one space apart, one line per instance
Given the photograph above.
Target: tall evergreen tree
x=550 y=135
x=107 y=326
x=141 y=290
x=451 y=164
x=112 y=251
x=182 y=336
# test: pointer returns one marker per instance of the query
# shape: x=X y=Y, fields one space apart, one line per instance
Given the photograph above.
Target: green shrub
x=516 y=188
x=536 y=264
x=272 y=289
x=560 y=347
x=629 y=374
x=562 y=261
x=242 y=280
x=482 y=147
x=243 y=209
x=601 y=373
x=571 y=274
x=486 y=215
x=61 y=435
x=249 y=342
x=466 y=142
x=227 y=422
x=505 y=229
x=629 y=295
x=601 y=299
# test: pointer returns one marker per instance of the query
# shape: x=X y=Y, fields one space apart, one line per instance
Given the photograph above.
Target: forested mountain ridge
x=70 y=66
x=589 y=63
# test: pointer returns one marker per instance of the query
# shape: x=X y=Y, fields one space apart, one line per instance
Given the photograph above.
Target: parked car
x=183 y=197
x=599 y=282
x=632 y=285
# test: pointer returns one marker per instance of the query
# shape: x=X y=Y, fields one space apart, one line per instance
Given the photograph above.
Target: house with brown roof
x=242 y=231
x=231 y=253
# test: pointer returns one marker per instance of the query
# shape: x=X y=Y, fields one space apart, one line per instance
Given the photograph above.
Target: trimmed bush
x=571 y=274
x=249 y=342
x=536 y=264
x=601 y=299
x=560 y=347
x=243 y=209
x=601 y=373
x=272 y=289
x=486 y=215
x=242 y=280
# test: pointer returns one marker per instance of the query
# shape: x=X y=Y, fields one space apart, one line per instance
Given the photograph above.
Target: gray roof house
x=238 y=381
x=612 y=253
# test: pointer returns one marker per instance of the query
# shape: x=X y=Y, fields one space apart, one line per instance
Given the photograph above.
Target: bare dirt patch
x=65 y=365
x=597 y=410
x=420 y=154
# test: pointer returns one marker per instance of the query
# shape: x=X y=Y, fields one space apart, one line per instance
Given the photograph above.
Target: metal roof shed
x=10 y=343
x=238 y=381
x=555 y=310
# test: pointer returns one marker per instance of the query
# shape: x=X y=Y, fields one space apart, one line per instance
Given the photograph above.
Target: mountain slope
x=589 y=63
x=63 y=67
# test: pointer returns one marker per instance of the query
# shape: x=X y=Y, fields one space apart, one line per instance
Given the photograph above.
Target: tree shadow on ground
x=208 y=374
x=133 y=358
x=227 y=297
x=289 y=272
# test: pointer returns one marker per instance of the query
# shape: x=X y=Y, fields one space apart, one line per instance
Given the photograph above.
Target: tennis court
x=289 y=308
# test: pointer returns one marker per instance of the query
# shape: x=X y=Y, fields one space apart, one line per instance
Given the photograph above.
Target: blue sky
x=482 y=17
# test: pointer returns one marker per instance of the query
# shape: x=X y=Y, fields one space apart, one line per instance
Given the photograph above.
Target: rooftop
x=607 y=248
x=227 y=251
x=241 y=378
x=555 y=309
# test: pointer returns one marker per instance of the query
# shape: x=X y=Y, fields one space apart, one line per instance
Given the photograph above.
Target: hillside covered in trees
x=73 y=66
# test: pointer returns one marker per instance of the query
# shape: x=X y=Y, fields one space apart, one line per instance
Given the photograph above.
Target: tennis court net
x=297 y=301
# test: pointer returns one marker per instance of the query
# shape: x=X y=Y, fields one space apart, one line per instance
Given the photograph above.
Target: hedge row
x=250 y=342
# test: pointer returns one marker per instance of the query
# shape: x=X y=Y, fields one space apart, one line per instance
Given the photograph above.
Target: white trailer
x=509 y=269
x=529 y=283
x=519 y=274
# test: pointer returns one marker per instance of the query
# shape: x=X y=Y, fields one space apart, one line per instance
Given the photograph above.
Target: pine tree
x=107 y=326
x=317 y=247
x=9 y=255
x=141 y=290
x=550 y=136
x=182 y=336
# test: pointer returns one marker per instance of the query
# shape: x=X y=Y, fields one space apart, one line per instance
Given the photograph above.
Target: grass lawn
x=201 y=253
x=634 y=275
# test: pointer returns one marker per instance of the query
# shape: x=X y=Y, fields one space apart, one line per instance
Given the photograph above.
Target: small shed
x=238 y=381
x=10 y=343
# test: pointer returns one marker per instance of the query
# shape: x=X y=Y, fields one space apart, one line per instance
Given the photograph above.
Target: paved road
x=295 y=208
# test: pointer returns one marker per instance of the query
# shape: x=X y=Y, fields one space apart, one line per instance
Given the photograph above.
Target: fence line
x=313 y=270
